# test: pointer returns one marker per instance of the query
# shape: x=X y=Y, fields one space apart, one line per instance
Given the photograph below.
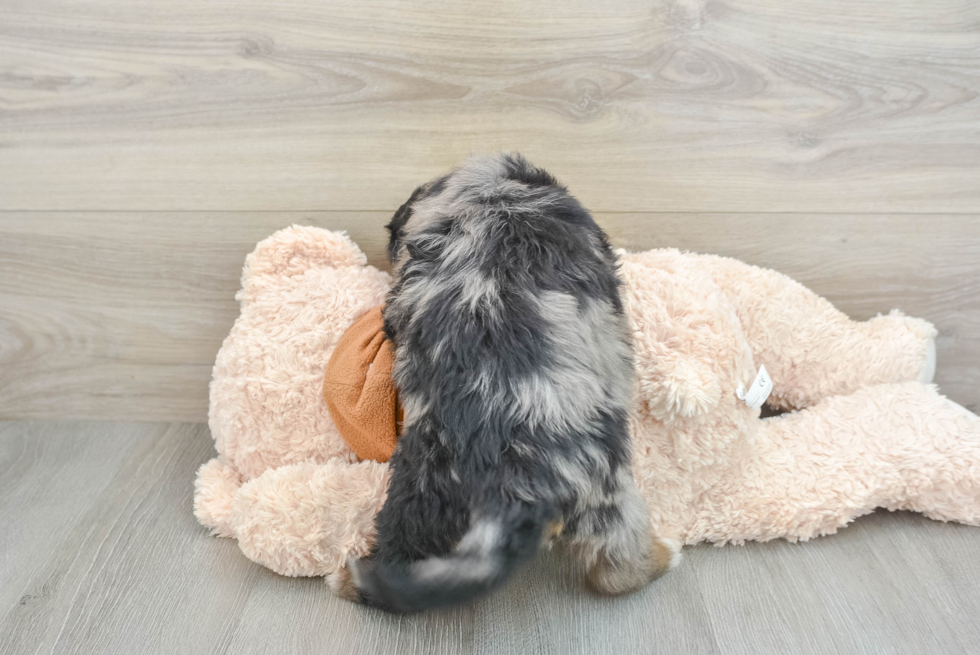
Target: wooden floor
x=100 y=553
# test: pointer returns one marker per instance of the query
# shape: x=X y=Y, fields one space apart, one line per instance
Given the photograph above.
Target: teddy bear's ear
x=686 y=336
x=295 y=250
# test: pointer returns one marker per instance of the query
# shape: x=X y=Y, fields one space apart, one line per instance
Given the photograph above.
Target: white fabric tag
x=758 y=392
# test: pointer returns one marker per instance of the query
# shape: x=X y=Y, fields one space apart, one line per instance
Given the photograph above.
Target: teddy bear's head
x=301 y=288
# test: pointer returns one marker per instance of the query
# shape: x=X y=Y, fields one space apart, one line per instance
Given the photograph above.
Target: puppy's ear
x=396 y=227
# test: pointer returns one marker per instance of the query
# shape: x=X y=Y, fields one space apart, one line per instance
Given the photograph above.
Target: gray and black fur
x=513 y=365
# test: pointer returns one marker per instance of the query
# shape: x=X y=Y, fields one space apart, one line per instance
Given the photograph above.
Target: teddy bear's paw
x=683 y=388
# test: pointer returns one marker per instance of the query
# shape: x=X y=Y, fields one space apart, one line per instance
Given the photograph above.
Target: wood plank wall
x=146 y=146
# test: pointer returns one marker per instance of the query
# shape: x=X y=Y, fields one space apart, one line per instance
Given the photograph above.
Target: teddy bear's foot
x=895 y=348
x=615 y=576
x=956 y=408
x=956 y=497
x=898 y=446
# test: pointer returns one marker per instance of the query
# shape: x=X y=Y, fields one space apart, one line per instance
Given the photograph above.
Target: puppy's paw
x=343 y=583
x=665 y=555
x=618 y=576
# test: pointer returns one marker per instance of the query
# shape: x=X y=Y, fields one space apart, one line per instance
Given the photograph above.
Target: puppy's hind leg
x=614 y=539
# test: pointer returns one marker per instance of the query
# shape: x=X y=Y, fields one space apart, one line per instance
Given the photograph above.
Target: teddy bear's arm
x=688 y=347
x=298 y=520
x=811 y=349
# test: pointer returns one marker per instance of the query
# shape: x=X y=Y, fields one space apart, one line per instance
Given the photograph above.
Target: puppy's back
x=506 y=312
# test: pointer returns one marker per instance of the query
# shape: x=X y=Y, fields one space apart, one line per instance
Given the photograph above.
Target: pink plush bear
x=870 y=431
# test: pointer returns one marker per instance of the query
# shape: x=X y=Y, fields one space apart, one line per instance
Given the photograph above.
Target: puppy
x=513 y=366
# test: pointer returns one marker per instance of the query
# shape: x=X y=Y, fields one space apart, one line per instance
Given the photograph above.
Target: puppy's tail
x=485 y=558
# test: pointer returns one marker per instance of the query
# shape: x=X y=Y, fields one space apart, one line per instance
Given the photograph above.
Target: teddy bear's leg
x=897 y=446
x=953 y=493
x=812 y=350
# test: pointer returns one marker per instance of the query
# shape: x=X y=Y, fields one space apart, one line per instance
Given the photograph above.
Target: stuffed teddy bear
x=862 y=428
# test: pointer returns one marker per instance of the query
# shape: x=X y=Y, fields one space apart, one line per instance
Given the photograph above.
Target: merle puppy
x=513 y=366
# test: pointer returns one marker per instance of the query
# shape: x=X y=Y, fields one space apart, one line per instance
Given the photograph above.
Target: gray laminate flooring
x=100 y=553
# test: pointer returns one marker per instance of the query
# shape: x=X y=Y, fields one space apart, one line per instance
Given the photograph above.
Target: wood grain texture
x=669 y=105
x=547 y=609
x=107 y=584
x=882 y=585
x=120 y=315
x=100 y=553
x=40 y=473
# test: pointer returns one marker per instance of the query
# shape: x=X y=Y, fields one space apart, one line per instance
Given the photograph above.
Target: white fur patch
x=481 y=539
x=675 y=551
x=454 y=570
